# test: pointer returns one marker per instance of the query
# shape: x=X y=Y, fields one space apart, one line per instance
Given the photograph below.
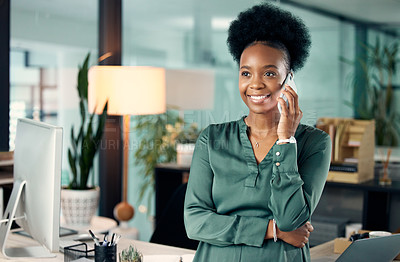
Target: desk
x=145 y=247
x=377 y=202
x=324 y=250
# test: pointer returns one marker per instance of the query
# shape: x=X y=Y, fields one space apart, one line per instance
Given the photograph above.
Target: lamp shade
x=190 y=89
x=129 y=90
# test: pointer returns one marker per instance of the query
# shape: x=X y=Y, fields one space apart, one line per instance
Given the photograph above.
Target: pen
x=95 y=239
x=117 y=239
x=105 y=240
x=112 y=239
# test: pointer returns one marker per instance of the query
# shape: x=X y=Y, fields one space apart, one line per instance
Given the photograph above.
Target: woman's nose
x=257 y=83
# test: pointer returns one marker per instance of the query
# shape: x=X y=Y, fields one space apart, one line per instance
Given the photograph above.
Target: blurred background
x=49 y=39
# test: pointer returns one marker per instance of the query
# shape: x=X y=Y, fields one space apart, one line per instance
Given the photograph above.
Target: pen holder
x=105 y=253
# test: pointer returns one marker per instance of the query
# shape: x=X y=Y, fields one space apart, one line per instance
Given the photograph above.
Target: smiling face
x=262 y=72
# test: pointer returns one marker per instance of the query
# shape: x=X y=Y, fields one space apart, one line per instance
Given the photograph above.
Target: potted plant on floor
x=79 y=200
x=379 y=66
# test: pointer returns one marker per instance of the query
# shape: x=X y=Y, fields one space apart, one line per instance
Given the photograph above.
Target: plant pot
x=184 y=154
x=79 y=206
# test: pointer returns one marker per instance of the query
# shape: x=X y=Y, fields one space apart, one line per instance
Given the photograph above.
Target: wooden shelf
x=342 y=131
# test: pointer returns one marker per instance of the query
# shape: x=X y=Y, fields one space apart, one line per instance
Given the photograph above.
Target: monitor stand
x=5 y=227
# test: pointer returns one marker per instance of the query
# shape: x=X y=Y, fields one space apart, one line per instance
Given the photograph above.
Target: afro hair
x=270 y=24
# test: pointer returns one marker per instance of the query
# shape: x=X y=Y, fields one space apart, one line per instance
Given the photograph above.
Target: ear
x=291 y=73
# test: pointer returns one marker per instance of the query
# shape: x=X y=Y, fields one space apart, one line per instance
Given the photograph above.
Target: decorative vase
x=184 y=154
x=79 y=206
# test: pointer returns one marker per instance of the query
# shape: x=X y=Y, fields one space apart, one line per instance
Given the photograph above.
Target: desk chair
x=170 y=230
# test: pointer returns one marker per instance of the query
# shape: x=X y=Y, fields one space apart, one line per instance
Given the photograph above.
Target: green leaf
x=83 y=79
x=102 y=121
x=82 y=111
x=72 y=164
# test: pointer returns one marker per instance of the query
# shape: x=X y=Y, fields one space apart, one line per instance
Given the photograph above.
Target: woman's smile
x=259 y=99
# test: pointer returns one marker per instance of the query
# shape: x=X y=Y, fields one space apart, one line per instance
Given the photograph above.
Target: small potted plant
x=130 y=254
x=185 y=139
x=79 y=200
x=159 y=136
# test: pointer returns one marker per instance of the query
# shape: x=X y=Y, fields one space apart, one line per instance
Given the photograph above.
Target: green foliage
x=379 y=66
x=86 y=143
x=186 y=135
x=130 y=254
x=158 y=135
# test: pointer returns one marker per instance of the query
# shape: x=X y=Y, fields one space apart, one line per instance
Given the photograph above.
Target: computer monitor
x=35 y=199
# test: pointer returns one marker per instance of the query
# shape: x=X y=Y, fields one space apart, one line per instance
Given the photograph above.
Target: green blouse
x=230 y=199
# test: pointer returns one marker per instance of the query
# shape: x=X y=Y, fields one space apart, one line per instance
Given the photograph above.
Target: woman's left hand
x=290 y=116
x=298 y=237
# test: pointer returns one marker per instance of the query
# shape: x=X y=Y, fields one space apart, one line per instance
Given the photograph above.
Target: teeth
x=258 y=97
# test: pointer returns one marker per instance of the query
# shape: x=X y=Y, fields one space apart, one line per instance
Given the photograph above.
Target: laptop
x=382 y=249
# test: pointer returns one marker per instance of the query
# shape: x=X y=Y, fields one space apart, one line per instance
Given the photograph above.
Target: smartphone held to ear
x=289 y=80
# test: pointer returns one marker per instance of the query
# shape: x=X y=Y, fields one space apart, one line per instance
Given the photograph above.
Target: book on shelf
x=353 y=160
x=332 y=131
x=343 y=167
x=355 y=139
x=340 y=129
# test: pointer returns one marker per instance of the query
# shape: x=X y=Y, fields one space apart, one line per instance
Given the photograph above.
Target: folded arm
x=295 y=191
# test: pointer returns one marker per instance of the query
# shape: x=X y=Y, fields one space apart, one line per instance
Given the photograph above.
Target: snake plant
x=87 y=142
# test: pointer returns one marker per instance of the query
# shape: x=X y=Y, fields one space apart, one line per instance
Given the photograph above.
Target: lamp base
x=124 y=211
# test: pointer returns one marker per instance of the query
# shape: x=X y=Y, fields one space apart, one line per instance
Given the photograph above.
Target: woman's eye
x=245 y=73
x=270 y=74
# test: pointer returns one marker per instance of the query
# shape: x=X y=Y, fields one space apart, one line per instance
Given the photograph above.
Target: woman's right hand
x=298 y=237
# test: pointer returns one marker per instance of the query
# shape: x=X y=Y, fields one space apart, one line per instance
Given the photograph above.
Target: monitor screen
x=35 y=200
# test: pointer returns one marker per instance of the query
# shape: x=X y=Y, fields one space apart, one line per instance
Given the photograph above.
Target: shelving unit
x=353 y=144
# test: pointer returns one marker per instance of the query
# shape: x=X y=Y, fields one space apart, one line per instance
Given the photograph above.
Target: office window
x=48 y=42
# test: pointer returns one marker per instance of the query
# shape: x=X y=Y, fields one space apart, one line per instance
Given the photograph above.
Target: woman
x=255 y=182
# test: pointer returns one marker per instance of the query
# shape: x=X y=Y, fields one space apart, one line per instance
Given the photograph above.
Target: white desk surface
x=145 y=247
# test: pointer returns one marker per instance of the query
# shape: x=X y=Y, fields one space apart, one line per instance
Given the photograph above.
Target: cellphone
x=289 y=80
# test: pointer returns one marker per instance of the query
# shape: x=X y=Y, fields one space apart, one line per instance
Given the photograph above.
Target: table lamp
x=129 y=90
